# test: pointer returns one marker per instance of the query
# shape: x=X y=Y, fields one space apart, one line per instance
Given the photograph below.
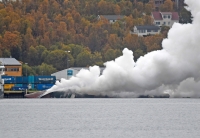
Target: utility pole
x=67 y=57
x=26 y=68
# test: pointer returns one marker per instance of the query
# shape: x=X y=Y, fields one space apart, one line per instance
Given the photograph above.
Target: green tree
x=110 y=54
x=59 y=59
x=185 y=16
x=6 y=53
x=97 y=59
x=84 y=58
x=27 y=70
x=46 y=69
x=40 y=49
x=76 y=49
x=138 y=53
x=16 y=52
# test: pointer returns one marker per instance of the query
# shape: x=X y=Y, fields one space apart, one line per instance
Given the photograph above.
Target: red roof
x=166 y=13
x=175 y=16
x=158 y=15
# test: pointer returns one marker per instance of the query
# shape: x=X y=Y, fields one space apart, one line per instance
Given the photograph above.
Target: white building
x=68 y=73
x=144 y=30
x=111 y=18
x=165 y=18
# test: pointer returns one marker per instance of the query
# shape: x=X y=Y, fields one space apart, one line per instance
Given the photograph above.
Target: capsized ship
x=62 y=94
x=71 y=94
x=54 y=94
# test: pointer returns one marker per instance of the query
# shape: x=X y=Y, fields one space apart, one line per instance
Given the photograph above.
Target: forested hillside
x=52 y=35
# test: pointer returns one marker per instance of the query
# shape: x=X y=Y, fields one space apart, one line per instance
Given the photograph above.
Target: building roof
x=158 y=15
x=147 y=27
x=175 y=16
x=164 y=13
x=77 y=69
x=113 y=17
x=10 y=61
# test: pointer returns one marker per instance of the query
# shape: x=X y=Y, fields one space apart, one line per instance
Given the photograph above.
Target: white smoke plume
x=175 y=69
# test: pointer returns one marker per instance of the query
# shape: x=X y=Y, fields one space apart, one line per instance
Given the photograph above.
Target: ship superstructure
x=2 y=69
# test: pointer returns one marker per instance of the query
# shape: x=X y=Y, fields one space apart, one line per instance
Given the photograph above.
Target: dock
x=16 y=94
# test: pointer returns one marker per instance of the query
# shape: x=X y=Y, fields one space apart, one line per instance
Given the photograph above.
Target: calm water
x=100 y=118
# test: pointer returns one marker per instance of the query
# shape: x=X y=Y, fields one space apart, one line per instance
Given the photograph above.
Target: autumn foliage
x=41 y=32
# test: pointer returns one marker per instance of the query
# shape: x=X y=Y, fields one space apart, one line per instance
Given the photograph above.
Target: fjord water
x=98 y=118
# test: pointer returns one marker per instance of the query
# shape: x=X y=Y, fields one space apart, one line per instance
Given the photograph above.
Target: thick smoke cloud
x=175 y=69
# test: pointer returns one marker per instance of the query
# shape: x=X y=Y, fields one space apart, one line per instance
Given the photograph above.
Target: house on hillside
x=12 y=66
x=111 y=18
x=165 y=18
x=144 y=30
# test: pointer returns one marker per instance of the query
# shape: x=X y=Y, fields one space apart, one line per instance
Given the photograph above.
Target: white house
x=111 y=18
x=144 y=30
x=165 y=18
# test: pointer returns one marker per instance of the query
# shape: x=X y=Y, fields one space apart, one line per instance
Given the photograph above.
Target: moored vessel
x=1 y=80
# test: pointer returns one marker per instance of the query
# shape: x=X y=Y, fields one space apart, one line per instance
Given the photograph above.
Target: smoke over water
x=175 y=69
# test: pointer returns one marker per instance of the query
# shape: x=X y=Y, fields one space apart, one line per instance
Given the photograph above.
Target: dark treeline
x=52 y=35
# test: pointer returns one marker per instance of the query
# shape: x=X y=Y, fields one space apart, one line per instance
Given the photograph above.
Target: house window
x=15 y=69
x=8 y=69
x=157 y=23
x=11 y=69
x=141 y=31
x=169 y=16
x=168 y=23
x=164 y=23
x=165 y=16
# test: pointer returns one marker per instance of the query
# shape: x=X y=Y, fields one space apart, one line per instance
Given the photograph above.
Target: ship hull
x=34 y=95
x=1 y=94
